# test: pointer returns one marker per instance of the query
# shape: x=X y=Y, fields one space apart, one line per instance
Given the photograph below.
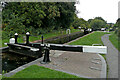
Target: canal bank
x=10 y=61
x=92 y=67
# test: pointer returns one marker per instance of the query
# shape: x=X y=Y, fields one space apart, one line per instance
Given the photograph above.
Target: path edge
x=104 y=67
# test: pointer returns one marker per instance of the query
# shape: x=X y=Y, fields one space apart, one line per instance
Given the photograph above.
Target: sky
x=107 y=9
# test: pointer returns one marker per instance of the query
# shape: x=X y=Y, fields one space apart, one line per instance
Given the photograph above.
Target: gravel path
x=112 y=57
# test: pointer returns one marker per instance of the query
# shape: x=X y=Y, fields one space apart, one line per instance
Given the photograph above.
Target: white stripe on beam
x=95 y=49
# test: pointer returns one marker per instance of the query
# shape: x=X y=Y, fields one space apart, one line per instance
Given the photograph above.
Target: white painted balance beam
x=79 y=48
x=95 y=49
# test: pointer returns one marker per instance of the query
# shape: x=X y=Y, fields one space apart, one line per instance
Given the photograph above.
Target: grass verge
x=0 y=77
x=114 y=40
x=93 y=38
x=36 y=71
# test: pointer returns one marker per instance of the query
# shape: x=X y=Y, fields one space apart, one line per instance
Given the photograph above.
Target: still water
x=11 y=61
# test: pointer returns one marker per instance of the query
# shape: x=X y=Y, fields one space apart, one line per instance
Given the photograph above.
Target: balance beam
x=79 y=48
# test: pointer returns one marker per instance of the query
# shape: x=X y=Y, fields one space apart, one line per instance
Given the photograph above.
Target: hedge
x=64 y=38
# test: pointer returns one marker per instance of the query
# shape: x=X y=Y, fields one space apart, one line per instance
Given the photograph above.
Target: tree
x=37 y=17
x=80 y=22
x=100 y=18
x=89 y=20
x=97 y=24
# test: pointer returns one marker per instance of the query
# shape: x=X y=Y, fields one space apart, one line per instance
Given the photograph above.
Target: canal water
x=11 y=61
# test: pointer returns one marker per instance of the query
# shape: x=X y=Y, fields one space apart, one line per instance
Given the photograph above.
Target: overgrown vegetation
x=116 y=28
x=115 y=35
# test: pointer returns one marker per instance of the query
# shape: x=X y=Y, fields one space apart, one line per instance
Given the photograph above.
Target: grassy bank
x=35 y=71
x=47 y=35
x=0 y=77
x=114 y=40
x=94 y=38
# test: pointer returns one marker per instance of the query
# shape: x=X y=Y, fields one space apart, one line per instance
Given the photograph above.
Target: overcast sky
x=107 y=9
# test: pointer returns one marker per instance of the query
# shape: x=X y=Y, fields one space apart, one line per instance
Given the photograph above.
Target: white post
x=12 y=40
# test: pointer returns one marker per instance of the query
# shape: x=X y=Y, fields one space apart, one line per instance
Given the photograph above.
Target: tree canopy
x=37 y=17
x=100 y=18
x=97 y=24
x=80 y=22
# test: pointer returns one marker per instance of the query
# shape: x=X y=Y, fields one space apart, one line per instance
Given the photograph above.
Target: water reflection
x=11 y=61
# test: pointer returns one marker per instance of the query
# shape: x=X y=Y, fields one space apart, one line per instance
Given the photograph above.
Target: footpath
x=112 y=57
x=86 y=65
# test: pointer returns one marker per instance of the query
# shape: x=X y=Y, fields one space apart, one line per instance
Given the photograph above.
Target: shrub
x=64 y=38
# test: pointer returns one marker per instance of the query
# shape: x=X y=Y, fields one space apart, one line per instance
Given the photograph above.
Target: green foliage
x=90 y=20
x=64 y=38
x=80 y=22
x=116 y=27
x=115 y=40
x=97 y=24
x=117 y=32
x=100 y=18
x=37 y=18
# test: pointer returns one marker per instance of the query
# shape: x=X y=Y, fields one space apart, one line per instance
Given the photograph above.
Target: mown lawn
x=47 y=35
x=94 y=38
x=36 y=71
x=114 y=40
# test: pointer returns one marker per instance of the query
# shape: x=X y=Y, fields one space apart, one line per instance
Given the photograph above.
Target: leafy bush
x=5 y=35
x=117 y=32
x=64 y=38
x=97 y=24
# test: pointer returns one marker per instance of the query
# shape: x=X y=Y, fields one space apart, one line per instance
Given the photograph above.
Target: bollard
x=12 y=40
x=84 y=31
x=46 y=56
x=27 y=37
x=16 y=36
x=42 y=39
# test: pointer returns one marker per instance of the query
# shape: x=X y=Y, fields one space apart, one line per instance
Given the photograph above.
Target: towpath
x=111 y=57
